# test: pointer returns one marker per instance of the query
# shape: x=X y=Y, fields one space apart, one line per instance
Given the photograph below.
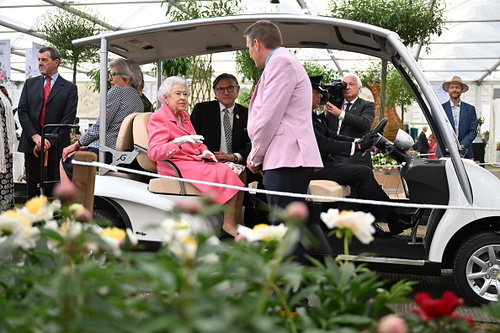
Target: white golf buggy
x=456 y=198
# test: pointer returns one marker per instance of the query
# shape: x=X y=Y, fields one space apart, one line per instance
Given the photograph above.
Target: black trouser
x=295 y=180
x=34 y=170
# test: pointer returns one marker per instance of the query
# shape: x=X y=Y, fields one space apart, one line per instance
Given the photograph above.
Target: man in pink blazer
x=280 y=127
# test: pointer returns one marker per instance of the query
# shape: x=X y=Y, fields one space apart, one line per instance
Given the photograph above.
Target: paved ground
x=436 y=285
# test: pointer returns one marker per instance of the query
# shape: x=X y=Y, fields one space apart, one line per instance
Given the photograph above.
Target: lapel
x=184 y=117
x=214 y=120
x=237 y=124
x=353 y=109
x=39 y=87
x=449 y=113
x=319 y=123
x=56 y=88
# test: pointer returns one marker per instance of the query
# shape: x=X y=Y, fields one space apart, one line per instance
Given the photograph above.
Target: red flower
x=466 y=318
x=431 y=308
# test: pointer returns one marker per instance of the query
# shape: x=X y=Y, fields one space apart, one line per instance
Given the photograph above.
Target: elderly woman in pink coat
x=173 y=137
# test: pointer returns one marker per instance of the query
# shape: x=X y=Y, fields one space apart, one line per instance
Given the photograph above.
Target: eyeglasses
x=229 y=89
x=115 y=74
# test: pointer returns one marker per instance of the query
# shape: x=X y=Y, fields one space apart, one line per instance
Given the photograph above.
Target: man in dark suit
x=45 y=99
x=422 y=142
x=358 y=177
x=354 y=118
x=208 y=120
x=462 y=115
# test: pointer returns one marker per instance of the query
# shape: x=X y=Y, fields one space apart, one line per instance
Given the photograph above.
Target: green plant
x=414 y=20
x=329 y=74
x=71 y=276
x=61 y=28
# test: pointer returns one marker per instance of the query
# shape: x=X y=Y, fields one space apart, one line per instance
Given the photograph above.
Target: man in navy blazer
x=354 y=118
x=60 y=109
x=207 y=119
x=462 y=115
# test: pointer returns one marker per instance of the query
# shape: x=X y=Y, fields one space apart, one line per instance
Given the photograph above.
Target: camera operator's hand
x=366 y=142
x=333 y=109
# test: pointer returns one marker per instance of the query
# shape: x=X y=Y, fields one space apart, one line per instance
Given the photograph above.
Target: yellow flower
x=35 y=204
x=16 y=230
x=38 y=209
x=113 y=232
x=359 y=223
x=12 y=215
x=263 y=232
x=115 y=237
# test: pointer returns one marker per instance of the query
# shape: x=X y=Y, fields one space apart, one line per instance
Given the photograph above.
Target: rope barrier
x=288 y=194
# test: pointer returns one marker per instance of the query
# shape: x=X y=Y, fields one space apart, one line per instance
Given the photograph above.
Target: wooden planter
x=391 y=182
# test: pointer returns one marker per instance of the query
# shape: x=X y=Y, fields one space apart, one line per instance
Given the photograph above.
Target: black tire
x=476 y=268
x=105 y=218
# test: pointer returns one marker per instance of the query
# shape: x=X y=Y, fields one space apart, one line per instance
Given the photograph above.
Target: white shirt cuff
x=342 y=115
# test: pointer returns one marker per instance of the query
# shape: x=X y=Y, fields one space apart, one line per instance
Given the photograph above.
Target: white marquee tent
x=468 y=47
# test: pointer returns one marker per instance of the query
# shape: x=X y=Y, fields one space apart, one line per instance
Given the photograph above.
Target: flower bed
x=61 y=272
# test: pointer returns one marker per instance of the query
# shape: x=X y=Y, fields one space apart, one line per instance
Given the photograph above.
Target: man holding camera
x=358 y=177
x=353 y=118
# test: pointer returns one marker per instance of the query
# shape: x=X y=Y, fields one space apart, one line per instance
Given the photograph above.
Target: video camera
x=333 y=92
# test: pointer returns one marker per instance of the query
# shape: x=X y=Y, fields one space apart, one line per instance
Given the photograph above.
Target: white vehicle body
x=466 y=240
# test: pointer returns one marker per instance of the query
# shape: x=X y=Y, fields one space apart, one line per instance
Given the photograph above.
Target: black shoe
x=404 y=222
x=380 y=232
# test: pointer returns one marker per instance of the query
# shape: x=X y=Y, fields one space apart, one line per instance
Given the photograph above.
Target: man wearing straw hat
x=462 y=115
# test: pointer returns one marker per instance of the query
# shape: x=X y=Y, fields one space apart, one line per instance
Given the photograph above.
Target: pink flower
x=297 y=210
x=431 y=308
x=66 y=191
x=392 y=324
x=190 y=206
x=83 y=215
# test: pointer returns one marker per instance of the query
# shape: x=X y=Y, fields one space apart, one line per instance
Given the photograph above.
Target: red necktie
x=46 y=92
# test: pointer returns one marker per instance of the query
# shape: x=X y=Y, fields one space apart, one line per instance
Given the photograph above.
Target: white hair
x=358 y=80
x=168 y=83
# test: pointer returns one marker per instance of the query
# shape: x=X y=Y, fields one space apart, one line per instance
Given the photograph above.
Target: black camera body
x=333 y=92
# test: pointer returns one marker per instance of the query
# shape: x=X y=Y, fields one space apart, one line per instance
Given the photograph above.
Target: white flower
x=39 y=209
x=184 y=247
x=211 y=257
x=174 y=228
x=131 y=237
x=262 y=232
x=115 y=237
x=359 y=223
x=16 y=230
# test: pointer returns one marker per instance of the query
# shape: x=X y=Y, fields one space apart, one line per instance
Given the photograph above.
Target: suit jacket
x=330 y=143
x=206 y=121
x=279 y=120
x=422 y=143
x=357 y=122
x=61 y=109
x=467 y=123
